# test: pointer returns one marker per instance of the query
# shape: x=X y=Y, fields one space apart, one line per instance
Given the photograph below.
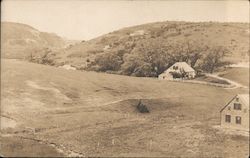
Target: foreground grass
x=16 y=147
x=95 y=114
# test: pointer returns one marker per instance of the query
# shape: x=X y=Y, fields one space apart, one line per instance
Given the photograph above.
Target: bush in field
x=142 y=108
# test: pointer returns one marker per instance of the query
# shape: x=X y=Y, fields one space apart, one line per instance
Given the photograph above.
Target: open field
x=16 y=146
x=212 y=80
x=94 y=114
x=237 y=74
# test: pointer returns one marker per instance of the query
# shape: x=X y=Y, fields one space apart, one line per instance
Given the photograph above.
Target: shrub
x=142 y=108
x=106 y=62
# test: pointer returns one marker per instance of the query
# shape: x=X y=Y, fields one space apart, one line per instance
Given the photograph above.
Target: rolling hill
x=143 y=50
x=20 y=40
x=56 y=112
x=62 y=112
x=153 y=36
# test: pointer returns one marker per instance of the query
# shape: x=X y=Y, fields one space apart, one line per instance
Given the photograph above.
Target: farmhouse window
x=238 y=119
x=228 y=118
x=229 y=108
x=237 y=99
x=237 y=106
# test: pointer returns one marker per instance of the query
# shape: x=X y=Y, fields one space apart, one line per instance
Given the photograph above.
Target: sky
x=85 y=19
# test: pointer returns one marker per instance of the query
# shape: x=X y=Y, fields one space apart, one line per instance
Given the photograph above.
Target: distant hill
x=232 y=36
x=20 y=40
x=143 y=50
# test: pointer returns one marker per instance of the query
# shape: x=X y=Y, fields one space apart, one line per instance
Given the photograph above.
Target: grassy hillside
x=153 y=36
x=144 y=50
x=20 y=40
x=240 y=75
x=94 y=114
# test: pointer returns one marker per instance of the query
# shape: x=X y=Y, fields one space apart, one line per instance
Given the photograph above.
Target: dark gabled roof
x=228 y=103
x=243 y=97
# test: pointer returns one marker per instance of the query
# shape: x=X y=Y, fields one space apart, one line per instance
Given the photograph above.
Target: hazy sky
x=75 y=19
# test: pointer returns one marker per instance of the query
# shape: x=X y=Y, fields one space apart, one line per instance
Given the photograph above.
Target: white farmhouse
x=235 y=114
x=179 y=68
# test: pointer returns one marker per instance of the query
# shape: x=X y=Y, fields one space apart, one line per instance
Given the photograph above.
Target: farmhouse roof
x=242 y=97
x=184 y=65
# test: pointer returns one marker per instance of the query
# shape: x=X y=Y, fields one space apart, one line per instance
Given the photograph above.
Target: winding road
x=236 y=84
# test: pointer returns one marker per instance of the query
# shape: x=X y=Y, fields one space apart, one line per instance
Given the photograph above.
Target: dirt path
x=236 y=84
x=56 y=92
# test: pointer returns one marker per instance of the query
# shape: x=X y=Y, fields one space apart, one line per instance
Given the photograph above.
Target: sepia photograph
x=125 y=78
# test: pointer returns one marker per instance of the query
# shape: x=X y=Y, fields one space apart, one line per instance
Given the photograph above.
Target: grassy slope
x=83 y=109
x=240 y=75
x=15 y=146
x=233 y=36
x=19 y=40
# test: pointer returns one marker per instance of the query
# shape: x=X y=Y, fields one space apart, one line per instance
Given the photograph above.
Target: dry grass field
x=73 y=113
x=237 y=74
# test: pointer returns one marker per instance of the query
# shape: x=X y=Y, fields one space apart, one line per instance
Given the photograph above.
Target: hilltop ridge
x=122 y=47
x=115 y=52
x=19 y=40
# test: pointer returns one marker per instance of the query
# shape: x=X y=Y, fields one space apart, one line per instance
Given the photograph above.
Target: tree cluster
x=151 y=58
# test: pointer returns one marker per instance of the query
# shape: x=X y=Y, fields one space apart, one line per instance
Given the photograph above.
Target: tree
x=195 y=52
x=42 y=56
x=131 y=62
x=107 y=62
x=213 y=59
x=147 y=59
x=144 y=70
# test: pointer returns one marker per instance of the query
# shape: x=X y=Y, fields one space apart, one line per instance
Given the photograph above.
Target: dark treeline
x=151 y=58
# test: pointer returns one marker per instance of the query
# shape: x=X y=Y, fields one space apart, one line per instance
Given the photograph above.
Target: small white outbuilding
x=67 y=67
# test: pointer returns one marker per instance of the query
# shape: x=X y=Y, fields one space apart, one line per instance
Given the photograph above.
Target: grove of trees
x=149 y=58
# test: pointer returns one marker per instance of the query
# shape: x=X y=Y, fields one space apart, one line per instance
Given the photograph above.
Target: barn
x=235 y=115
x=178 y=68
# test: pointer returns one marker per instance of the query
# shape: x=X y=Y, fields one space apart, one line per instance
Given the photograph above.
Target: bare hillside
x=145 y=50
x=232 y=36
x=21 y=40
